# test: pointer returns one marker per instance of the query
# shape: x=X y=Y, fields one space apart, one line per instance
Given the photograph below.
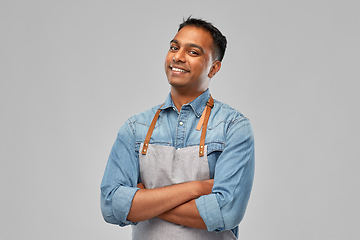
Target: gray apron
x=163 y=166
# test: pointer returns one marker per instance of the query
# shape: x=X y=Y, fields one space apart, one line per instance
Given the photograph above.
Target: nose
x=179 y=56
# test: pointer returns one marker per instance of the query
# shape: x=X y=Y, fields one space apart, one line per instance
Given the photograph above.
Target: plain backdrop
x=72 y=72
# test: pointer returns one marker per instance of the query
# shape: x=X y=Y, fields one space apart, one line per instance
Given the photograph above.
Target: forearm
x=186 y=214
x=149 y=203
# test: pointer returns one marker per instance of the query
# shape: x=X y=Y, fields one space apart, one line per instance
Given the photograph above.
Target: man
x=183 y=170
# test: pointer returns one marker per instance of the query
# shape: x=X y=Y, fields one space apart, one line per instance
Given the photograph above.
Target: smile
x=178 y=70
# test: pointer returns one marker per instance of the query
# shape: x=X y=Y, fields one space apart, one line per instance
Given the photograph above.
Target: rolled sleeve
x=209 y=211
x=225 y=207
x=121 y=203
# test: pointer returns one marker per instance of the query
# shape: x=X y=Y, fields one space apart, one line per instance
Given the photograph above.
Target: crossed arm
x=123 y=204
x=175 y=203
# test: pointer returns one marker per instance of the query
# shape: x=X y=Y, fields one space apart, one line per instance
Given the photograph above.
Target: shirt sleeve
x=225 y=207
x=119 y=183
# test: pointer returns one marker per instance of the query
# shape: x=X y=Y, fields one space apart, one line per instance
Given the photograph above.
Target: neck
x=180 y=98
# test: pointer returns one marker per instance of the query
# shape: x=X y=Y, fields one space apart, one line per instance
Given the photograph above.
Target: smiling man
x=183 y=169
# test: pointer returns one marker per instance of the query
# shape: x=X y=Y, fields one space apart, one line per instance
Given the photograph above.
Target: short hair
x=219 y=40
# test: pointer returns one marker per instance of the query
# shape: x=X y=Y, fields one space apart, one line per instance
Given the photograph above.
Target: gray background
x=72 y=72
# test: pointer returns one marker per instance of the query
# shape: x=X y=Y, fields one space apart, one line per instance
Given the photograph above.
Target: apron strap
x=209 y=106
x=149 y=133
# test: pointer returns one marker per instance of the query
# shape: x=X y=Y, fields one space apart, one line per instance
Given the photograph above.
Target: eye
x=192 y=52
x=173 y=48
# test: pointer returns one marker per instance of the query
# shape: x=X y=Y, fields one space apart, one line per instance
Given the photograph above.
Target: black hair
x=219 y=40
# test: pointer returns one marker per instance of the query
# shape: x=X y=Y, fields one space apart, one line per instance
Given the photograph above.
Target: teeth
x=178 y=70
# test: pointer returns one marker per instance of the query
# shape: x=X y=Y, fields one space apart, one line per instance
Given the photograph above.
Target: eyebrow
x=189 y=45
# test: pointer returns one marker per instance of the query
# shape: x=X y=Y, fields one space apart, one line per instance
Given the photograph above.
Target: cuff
x=121 y=204
x=209 y=210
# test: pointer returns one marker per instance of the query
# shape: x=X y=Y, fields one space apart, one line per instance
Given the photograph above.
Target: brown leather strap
x=201 y=120
x=149 y=133
x=209 y=106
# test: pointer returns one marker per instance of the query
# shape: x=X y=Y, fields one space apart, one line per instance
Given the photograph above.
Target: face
x=189 y=62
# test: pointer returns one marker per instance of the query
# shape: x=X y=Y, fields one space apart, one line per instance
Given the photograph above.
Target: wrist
x=200 y=188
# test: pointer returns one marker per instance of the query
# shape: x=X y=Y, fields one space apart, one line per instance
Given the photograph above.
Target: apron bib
x=163 y=166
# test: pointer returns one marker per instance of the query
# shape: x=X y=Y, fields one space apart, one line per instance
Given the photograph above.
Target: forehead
x=194 y=35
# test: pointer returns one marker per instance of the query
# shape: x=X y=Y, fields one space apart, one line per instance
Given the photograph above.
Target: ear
x=216 y=65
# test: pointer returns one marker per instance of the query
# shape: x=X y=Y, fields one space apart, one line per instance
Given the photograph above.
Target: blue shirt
x=230 y=151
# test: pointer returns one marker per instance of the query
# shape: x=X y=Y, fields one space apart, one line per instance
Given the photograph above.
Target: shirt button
x=181 y=123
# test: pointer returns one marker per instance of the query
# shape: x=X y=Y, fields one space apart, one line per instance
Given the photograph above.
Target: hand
x=141 y=186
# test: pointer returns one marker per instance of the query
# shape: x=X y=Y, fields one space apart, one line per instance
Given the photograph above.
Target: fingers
x=141 y=186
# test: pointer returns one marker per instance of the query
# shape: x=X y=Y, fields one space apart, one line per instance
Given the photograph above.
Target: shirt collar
x=198 y=104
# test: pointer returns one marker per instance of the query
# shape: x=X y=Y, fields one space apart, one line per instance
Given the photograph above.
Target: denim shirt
x=230 y=152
